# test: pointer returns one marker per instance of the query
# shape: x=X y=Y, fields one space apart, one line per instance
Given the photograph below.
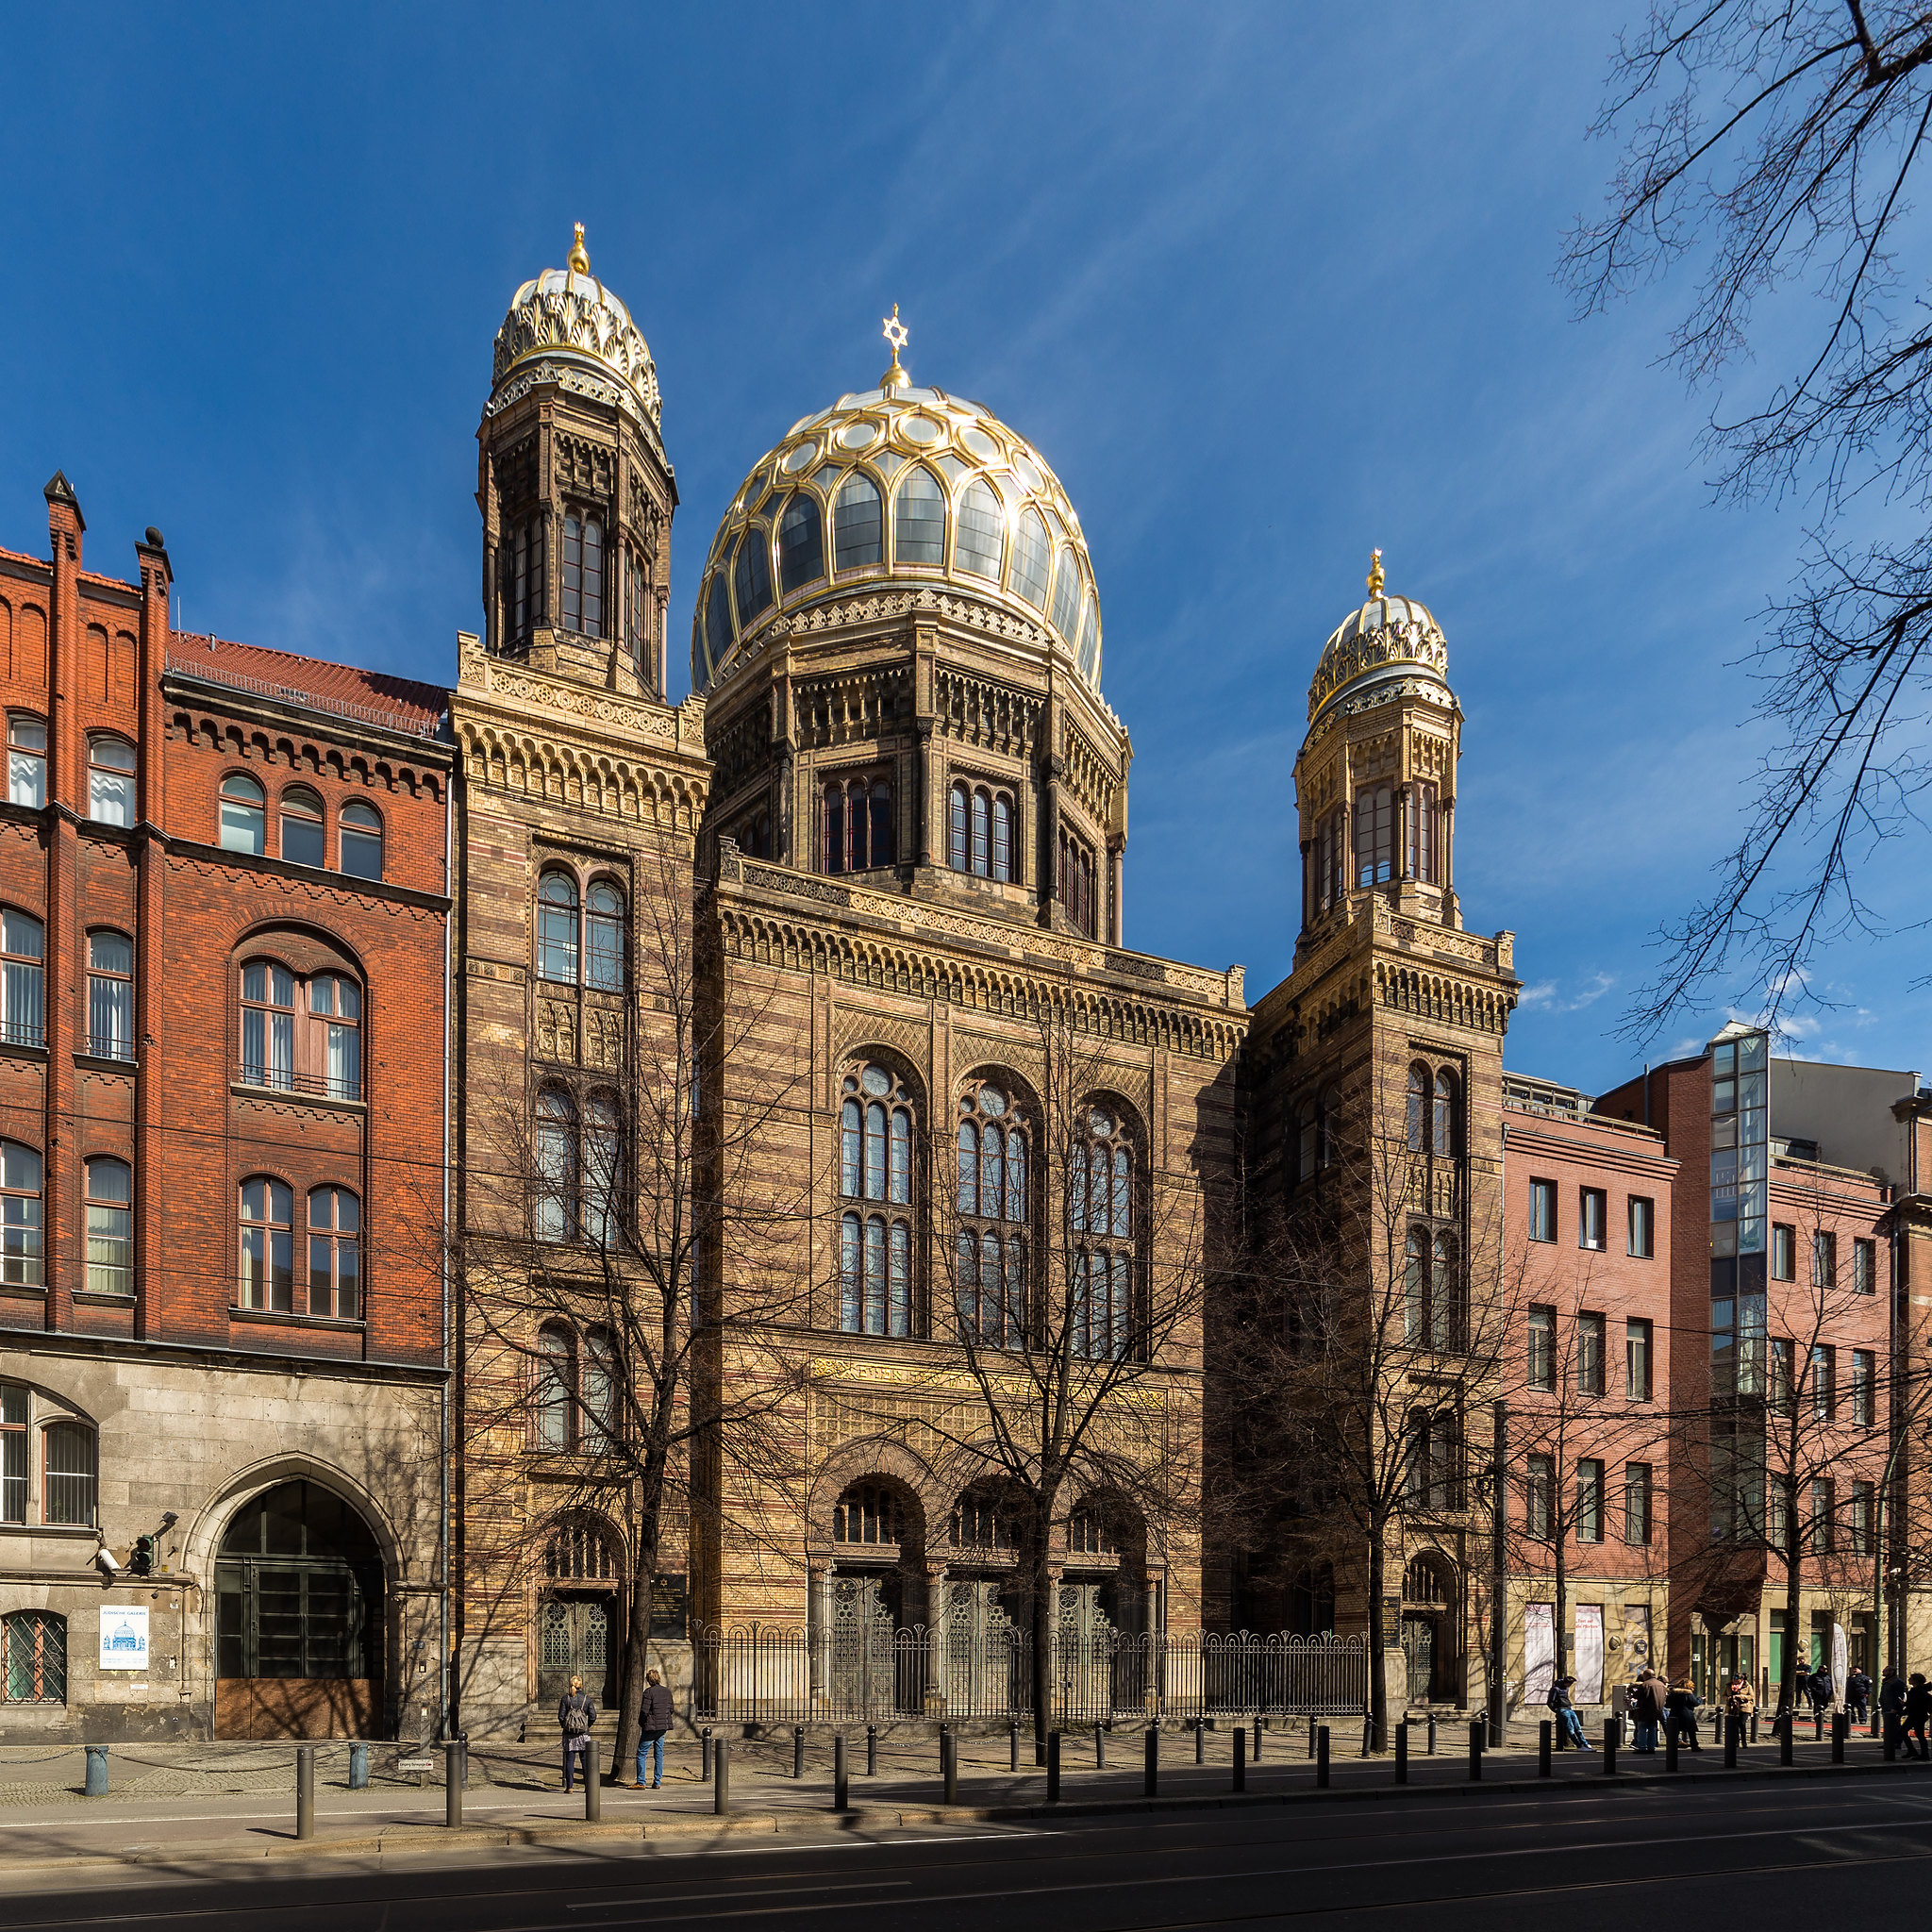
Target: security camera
x=105 y=1564
x=169 y=1519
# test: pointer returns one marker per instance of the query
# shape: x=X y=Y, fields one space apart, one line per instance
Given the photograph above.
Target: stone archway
x=1429 y=1623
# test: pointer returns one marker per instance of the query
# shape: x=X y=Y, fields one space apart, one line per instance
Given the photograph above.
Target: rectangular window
x=1636 y=1503
x=1540 y=1484
x=1543 y=1348
x=1542 y=1210
x=1864 y=1267
x=1591 y=1210
x=1590 y=1500
x=1780 y=1390
x=69 y=1494
x=1589 y=1355
x=1775 y=1521
x=1637 y=1338
x=1784 y=1253
x=1864 y=1376
x=1862 y=1519
x=1643 y=1227
x=12 y=1453
x=1823 y=1382
x=1823 y=1517
x=1824 y=1260
x=1375 y=835
x=27 y=762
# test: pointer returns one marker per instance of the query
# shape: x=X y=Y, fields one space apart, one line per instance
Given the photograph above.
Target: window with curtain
x=335 y=1254
x=993 y=1243
x=919 y=522
x=801 y=543
x=71 y=1487
x=856 y=828
x=22 y=978
x=110 y=1225
x=751 y=574
x=875 y=1134
x=1541 y=1370
x=554 y=1209
x=858 y=523
x=1590 y=1500
x=334 y=1055
x=27 y=760
x=111 y=995
x=1375 y=835
x=1636 y=1503
x=110 y=765
x=600 y=1392
x=978 y=544
x=1540 y=1490
x=19 y=1215
x=14 y=1457
x=605 y=958
x=359 y=833
x=603 y=1173
x=556 y=928
x=556 y=1374
x=1099 y=1200
x=268 y=1247
x=244 y=815
x=304 y=841
x=267 y=1024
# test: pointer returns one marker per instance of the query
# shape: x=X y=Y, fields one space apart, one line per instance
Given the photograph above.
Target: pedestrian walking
x=1646 y=1700
x=1892 y=1704
x=1918 y=1714
x=1859 y=1696
x=1569 y=1726
x=1680 y=1712
x=576 y=1715
x=654 y=1720
x=1740 y=1702
x=1819 y=1685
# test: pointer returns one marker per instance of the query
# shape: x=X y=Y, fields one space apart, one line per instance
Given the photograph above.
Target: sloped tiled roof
x=397 y=704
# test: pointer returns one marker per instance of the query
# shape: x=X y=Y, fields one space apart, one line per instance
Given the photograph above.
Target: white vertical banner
x=1539 y=1651
x=1841 y=1653
x=1589 y=1688
x=123 y=1636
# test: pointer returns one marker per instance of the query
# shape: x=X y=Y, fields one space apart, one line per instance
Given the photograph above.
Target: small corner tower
x=574 y=487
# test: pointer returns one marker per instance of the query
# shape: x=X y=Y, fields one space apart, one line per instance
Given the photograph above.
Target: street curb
x=802 y=1823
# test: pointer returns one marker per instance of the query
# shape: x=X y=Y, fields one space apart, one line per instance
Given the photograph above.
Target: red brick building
x=224 y=900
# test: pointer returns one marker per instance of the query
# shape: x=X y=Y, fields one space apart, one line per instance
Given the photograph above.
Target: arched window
x=1319 y=1127
x=1002 y=837
x=980 y=827
x=111 y=780
x=19 y=1215
x=603 y=1173
x=1100 y=1211
x=1066 y=596
x=109 y=1226
x=71 y=1490
x=982 y=526
x=1092 y=1529
x=22 y=978
x=1032 y=559
x=1078 y=895
x=553 y=1211
x=982 y=833
x=268 y=1245
x=583 y=575
x=520 y=564
x=1418 y=1108
x=303 y=843
x=599 y=1418
x=1088 y=656
x=995 y=1243
x=335 y=1254
x=361 y=841
x=987 y=1518
x=801 y=543
x=27 y=760
x=1329 y=860
x=556 y=928
x=1445 y=1132
x=556 y=1391
x=876 y=1230
x=605 y=960
x=1423 y=1582
x=858 y=523
x=267 y=1024
x=718 y=621
x=1415 y=1287
x=33 y=1658
x=1375 y=835
x=866 y=1513
x=751 y=576
x=637 y=617
x=1419 y=832
x=919 y=520
x=958 y=850
x=1445 y=1296
x=243 y=816
x=857 y=833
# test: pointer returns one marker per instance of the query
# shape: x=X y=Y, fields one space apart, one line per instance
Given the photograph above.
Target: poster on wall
x=1589 y=1688
x=123 y=1636
x=1539 y=1651
x=1636 y=1639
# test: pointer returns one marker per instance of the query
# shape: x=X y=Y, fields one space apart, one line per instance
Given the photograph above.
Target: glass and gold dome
x=902 y=485
x=566 y=326
x=1387 y=641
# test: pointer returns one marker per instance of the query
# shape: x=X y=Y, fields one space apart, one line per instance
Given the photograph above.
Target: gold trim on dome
x=1375 y=558
x=579 y=263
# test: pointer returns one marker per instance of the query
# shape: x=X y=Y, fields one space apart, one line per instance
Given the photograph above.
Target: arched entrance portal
x=299 y=1609
x=1428 y=1624
x=578 y=1634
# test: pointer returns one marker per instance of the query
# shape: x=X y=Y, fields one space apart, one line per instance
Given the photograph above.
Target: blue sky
x=1268 y=286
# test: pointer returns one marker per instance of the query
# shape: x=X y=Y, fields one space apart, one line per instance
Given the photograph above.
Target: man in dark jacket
x=1646 y=1711
x=1892 y=1704
x=1859 y=1697
x=654 y=1720
x=576 y=1716
x=1918 y=1714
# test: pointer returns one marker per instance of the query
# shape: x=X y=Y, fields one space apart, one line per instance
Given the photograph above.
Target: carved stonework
x=583 y=468
x=556 y=1032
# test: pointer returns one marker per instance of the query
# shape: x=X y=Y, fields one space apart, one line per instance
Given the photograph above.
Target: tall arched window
x=981 y=827
x=858 y=523
x=995 y=1243
x=1375 y=835
x=1418 y=837
x=360 y=833
x=919 y=520
x=718 y=621
x=603 y=1173
x=751 y=576
x=1445 y=1295
x=111 y=780
x=268 y=1245
x=556 y=928
x=1066 y=596
x=1032 y=559
x=605 y=961
x=583 y=575
x=19 y=1215
x=1415 y=1286
x=521 y=564
x=109 y=1226
x=1329 y=856
x=982 y=527
x=1445 y=1126
x=1100 y=1202
x=1077 y=884
x=22 y=978
x=267 y=1024
x=553 y=1212
x=801 y=543
x=876 y=1180
x=1418 y=1108
x=600 y=1390
x=1088 y=654
x=1002 y=837
x=303 y=841
x=857 y=816
x=335 y=1254
x=556 y=1390
x=982 y=833
x=243 y=817
x=958 y=850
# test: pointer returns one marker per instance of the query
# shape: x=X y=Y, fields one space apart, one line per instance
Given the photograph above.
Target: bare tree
x=1775 y=146
x=623 y=1234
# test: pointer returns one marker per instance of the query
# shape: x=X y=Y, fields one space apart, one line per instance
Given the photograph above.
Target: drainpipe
x=444 y=1665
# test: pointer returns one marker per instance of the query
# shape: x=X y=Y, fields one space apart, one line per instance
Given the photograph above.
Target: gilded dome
x=1387 y=641
x=905 y=487
x=567 y=326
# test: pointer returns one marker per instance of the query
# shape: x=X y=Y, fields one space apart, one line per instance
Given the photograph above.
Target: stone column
x=936 y=1633
x=818 y=1624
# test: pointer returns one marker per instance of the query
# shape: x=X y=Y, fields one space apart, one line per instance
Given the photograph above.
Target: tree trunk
x=1794 y=1581
x=1042 y=1650
x=1378 y=1689
x=637 y=1629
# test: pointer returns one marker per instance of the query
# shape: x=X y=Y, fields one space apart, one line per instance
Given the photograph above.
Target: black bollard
x=797 y=1750
x=1612 y=1737
x=1543 y=1732
x=1753 y=1724
x=1401 y=1751
x=1257 y=1737
x=454 y=1770
x=304 y=1790
x=1784 y=1738
x=949 y=1765
x=706 y=1774
x=1432 y=1734
x=1733 y=1723
x=1670 y=1746
x=1012 y=1743
x=872 y=1750
x=1312 y=1737
x=721 y=1777
x=1150 y=1784
x=1322 y=1758
x=1200 y=1740
x=1053 y=1766
x=1890 y=1744
x=1475 y=1751
x=1240 y=1758
x=842 y=1796
x=594 y=1784
x=1841 y=1730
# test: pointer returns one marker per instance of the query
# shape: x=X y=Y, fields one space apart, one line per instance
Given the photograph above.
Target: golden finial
x=579 y=263
x=1374 y=564
x=896 y=333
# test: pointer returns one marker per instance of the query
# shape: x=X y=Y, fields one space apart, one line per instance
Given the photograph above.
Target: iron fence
x=787 y=1676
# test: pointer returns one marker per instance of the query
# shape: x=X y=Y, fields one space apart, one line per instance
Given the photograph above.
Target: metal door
x=576 y=1638
x=865 y=1624
x=1419 y=1633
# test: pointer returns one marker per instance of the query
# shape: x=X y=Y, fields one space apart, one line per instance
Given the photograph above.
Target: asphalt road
x=1775 y=1855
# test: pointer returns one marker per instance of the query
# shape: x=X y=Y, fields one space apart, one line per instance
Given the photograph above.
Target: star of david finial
x=897 y=334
